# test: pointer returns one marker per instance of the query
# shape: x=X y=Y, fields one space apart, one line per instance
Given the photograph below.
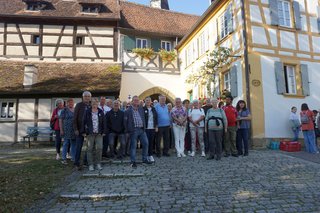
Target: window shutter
x=319 y=19
x=149 y=43
x=230 y=19
x=280 y=79
x=156 y=44
x=273 y=5
x=297 y=15
x=305 y=79
x=234 y=81
x=129 y=42
x=217 y=37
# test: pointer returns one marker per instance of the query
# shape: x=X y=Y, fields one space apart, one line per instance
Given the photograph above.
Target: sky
x=196 y=7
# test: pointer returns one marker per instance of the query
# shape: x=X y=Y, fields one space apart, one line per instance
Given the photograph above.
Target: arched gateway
x=155 y=91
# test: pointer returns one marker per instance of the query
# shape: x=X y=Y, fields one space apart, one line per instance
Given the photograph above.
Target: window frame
x=202 y=43
x=166 y=43
x=223 y=25
x=227 y=83
x=34 y=6
x=283 y=13
x=92 y=9
x=35 y=38
x=290 y=81
x=141 y=42
x=8 y=101
x=82 y=39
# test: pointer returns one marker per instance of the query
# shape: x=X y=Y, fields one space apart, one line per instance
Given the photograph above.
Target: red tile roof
x=153 y=20
x=61 y=77
x=61 y=9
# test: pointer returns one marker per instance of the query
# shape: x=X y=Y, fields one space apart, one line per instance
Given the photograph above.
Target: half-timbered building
x=278 y=42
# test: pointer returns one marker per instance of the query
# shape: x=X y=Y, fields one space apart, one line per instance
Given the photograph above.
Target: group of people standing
x=308 y=122
x=213 y=128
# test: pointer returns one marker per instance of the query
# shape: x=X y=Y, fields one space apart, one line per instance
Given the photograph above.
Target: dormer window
x=33 y=5
x=90 y=8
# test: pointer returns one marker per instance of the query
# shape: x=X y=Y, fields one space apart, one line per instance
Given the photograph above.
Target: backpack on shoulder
x=304 y=118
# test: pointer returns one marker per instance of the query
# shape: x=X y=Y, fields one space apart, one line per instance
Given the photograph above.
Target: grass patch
x=26 y=179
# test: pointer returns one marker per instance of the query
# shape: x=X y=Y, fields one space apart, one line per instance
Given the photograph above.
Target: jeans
x=66 y=144
x=97 y=141
x=296 y=134
x=179 y=135
x=242 y=139
x=215 y=142
x=163 y=132
x=58 y=141
x=309 y=141
x=194 y=132
x=122 y=139
x=138 y=134
x=79 y=144
x=105 y=144
x=230 y=140
x=151 y=135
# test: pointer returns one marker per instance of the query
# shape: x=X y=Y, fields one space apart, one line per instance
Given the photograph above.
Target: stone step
x=112 y=175
x=100 y=196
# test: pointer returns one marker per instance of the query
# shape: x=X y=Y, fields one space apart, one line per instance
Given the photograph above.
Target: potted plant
x=168 y=56
x=147 y=53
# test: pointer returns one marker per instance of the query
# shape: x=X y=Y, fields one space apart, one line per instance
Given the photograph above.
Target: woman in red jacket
x=307 y=126
x=54 y=122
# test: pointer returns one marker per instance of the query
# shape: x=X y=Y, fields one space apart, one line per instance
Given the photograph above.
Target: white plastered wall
x=277 y=107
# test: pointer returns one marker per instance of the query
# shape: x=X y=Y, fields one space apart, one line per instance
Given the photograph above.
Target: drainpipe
x=246 y=59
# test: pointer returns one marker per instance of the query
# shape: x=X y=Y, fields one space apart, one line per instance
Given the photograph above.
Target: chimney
x=161 y=4
x=30 y=76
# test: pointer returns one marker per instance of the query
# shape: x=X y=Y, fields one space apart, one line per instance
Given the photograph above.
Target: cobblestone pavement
x=265 y=181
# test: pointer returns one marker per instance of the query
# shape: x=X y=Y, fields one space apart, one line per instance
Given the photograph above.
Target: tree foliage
x=208 y=73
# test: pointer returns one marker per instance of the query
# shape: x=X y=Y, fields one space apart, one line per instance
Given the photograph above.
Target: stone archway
x=158 y=90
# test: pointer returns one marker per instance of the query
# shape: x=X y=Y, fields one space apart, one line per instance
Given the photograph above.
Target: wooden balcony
x=134 y=63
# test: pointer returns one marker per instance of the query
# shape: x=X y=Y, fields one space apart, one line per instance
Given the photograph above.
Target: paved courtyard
x=265 y=181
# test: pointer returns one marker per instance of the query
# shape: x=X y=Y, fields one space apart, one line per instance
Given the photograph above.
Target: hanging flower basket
x=167 y=56
x=145 y=53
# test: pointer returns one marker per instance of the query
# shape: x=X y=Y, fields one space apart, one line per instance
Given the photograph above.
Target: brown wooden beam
x=21 y=40
x=59 y=41
x=93 y=44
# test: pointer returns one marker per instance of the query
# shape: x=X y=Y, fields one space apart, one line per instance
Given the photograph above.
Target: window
x=35 y=39
x=226 y=23
x=284 y=13
x=189 y=55
x=90 y=8
x=166 y=45
x=80 y=40
x=227 y=81
x=7 y=109
x=290 y=79
x=202 y=44
x=141 y=43
x=35 y=6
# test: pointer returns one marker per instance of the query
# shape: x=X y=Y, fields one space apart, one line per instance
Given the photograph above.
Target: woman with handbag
x=54 y=124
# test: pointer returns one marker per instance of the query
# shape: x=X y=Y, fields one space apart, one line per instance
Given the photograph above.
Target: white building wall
x=7 y=132
x=145 y=81
x=277 y=107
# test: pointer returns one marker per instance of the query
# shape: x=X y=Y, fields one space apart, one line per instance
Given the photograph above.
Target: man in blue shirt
x=163 y=126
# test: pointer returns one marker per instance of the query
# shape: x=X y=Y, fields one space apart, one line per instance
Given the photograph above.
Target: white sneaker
x=192 y=154
x=68 y=156
x=99 y=167
x=91 y=168
x=151 y=159
x=182 y=154
x=189 y=152
x=203 y=154
x=57 y=157
x=178 y=155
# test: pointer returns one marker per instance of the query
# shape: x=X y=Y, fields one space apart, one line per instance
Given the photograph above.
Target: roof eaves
x=204 y=15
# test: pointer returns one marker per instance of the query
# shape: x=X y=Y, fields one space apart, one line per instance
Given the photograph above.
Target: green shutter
x=155 y=44
x=129 y=42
